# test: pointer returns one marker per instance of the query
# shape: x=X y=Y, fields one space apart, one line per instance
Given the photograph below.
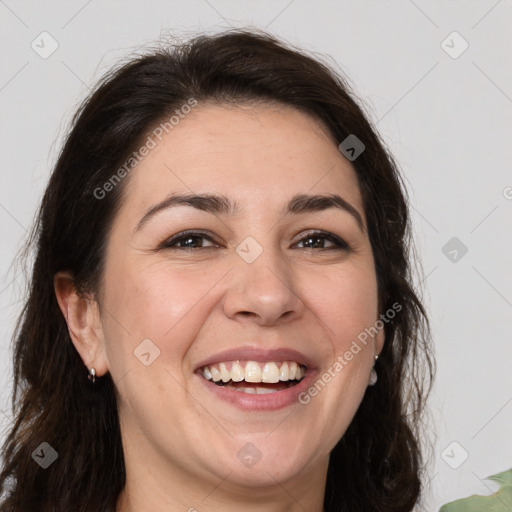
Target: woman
x=221 y=313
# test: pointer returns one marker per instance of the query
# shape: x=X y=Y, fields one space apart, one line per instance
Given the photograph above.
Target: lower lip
x=264 y=402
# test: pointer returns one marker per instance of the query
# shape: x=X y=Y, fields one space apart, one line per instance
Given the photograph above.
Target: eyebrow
x=219 y=204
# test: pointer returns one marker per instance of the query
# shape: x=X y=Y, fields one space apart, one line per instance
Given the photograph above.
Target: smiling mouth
x=253 y=377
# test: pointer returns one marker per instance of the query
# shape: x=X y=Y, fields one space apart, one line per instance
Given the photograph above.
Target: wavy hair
x=378 y=463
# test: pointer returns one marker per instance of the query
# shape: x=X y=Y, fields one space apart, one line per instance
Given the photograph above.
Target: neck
x=150 y=490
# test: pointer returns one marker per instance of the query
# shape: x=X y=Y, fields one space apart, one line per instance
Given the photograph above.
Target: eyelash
x=184 y=235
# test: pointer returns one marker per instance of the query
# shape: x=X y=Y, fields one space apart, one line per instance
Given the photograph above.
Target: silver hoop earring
x=92 y=375
x=373 y=375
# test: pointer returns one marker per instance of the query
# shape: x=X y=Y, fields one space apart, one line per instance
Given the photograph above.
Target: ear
x=379 y=341
x=84 y=322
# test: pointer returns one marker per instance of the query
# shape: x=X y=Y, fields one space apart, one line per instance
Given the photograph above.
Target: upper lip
x=251 y=353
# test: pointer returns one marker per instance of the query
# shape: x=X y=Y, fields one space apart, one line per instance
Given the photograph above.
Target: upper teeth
x=253 y=371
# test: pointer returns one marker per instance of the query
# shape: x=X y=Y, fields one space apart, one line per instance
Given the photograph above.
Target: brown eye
x=189 y=240
x=315 y=238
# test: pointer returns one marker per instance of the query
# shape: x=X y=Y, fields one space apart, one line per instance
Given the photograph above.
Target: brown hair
x=377 y=465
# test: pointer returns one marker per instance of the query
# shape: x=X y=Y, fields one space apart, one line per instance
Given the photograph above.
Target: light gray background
x=447 y=121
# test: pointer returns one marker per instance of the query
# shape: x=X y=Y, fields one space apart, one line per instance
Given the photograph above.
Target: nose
x=263 y=292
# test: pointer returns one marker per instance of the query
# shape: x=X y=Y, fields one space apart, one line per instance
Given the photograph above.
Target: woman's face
x=253 y=285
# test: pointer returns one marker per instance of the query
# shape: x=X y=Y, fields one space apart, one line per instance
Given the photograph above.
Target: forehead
x=258 y=154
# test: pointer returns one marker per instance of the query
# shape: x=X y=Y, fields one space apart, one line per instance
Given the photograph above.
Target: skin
x=180 y=442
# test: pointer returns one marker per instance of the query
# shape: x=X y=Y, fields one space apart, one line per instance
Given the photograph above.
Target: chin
x=254 y=468
x=262 y=475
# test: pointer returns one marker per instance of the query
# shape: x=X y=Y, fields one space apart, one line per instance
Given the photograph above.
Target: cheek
x=155 y=303
x=345 y=304
x=345 y=301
